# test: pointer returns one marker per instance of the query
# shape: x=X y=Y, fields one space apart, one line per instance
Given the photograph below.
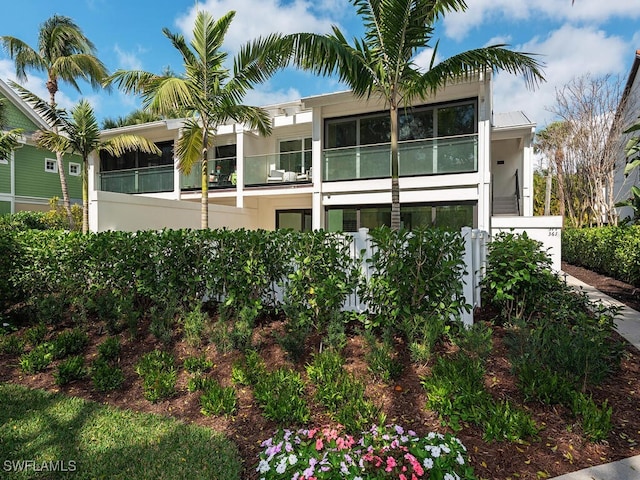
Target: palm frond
x=50 y=140
x=121 y=144
x=23 y=55
x=53 y=116
x=189 y=146
x=9 y=141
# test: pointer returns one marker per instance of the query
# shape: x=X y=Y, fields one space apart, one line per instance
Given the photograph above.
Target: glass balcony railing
x=415 y=157
x=139 y=180
x=221 y=175
x=277 y=168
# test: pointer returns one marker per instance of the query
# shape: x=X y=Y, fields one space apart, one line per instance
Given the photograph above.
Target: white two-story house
x=327 y=165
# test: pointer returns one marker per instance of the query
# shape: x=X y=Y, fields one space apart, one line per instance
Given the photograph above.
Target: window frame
x=78 y=172
x=54 y=164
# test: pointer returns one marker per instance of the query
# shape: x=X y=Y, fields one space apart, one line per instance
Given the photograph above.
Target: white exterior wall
x=544 y=229
x=130 y=213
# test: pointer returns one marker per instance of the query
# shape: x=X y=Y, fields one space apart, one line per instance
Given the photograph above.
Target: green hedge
x=613 y=251
x=56 y=271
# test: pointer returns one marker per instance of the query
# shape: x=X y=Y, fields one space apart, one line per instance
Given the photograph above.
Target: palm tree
x=67 y=55
x=78 y=132
x=551 y=141
x=382 y=63
x=208 y=92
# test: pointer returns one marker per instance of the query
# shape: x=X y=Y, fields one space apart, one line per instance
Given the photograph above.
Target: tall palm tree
x=208 y=92
x=382 y=62
x=78 y=132
x=65 y=54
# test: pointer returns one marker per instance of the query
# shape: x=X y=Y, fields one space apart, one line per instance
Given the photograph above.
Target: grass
x=99 y=441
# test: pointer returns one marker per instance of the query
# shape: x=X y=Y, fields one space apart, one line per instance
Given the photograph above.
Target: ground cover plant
x=372 y=376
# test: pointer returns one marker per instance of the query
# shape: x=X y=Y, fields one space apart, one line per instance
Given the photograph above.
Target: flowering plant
x=381 y=453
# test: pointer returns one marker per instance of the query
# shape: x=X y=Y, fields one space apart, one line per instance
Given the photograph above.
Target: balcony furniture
x=275 y=176
x=289 y=177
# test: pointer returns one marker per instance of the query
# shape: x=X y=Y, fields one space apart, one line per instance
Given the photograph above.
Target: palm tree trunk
x=395 y=183
x=204 y=201
x=85 y=197
x=65 y=191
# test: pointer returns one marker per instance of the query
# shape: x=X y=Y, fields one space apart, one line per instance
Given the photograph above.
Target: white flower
x=435 y=451
x=445 y=448
x=282 y=466
x=263 y=466
x=293 y=459
x=428 y=463
x=459 y=459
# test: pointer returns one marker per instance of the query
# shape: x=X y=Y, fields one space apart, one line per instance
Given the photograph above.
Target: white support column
x=177 y=190
x=527 y=176
x=484 y=153
x=12 y=186
x=239 y=166
x=317 y=212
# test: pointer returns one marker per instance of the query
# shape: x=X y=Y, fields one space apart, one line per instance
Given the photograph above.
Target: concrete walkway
x=627 y=325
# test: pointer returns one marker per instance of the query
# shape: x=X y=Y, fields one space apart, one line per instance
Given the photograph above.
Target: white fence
x=474 y=258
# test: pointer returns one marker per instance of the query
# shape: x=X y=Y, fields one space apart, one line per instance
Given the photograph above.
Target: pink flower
x=402 y=476
x=391 y=462
x=319 y=444
x=312 y=432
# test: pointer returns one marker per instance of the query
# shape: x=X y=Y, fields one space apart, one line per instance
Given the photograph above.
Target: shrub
x=475 y=341
x=199 y=364
x=106 y=377
x=517 y=276
x=194 y=325
x=69 y=342
x=37 y=359
x=382 y=358
x=218 y=400
x=596 y=422
x=36 y=334
x=341 y=393
x=158 y=375
x=110 y=349
x=70 y=369
x=381 y=452
x=11 y=344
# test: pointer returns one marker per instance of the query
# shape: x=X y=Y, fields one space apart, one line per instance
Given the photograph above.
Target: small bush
x=194 y=325
x=475 y=341
x=70 y=369
x=158 y=375
x=199 y=364
x=281 y=395
x=341 y=393
x=106 y=377
x=36 y=334
x=382 y=359
x=69 y=342
x=110 y=349
x=37 y=359
x=596 y=422
x=12 y=345
x=218 y=400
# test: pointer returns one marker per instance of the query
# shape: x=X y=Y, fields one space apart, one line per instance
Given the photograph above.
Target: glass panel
x=375 y=217
x=456 y=120
x=415 y=125
x=415 y=216
x=375 y=130
x=142 y=180
x=298 y=220
x=454 y=216
x=357 y=162
x=416 y=158
x=342 y=220
x=341 y=133
x=457 y=155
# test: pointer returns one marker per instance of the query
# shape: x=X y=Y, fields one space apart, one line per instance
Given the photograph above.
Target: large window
x=433 y=139
x=352 y=218
x=295 y=155
x=136 y=160
x=298 y=220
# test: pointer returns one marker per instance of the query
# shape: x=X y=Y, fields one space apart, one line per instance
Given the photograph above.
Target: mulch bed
x=560 y=447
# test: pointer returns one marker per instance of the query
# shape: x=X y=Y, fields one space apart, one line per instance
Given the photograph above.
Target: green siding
x=5 y=207
x=5 y=178
x=16 y=119
x=33 y=181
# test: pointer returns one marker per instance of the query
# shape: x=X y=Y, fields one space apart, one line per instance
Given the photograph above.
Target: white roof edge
x=23 y=106
x=510 y=120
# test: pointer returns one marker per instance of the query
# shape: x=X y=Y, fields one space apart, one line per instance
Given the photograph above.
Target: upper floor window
x=74 y=169
x=415 y=123
x=135 y=160
x=50 y=165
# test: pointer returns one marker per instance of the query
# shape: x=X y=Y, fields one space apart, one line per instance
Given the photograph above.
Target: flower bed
x=381 y=453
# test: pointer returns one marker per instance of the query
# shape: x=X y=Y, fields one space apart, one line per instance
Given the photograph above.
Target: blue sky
x=592 y=37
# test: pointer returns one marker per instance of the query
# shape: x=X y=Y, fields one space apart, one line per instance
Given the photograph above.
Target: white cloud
x=423 y=59
x=263 y=95
x=459 y=24
x=256 y=18
x=568 y=52
x=128 y=60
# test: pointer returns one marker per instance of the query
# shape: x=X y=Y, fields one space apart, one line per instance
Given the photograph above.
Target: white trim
x=55 y=165
x=4 y=161
x=78 y=171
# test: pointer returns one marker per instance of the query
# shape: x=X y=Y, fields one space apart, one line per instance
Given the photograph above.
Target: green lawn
x=91 y=441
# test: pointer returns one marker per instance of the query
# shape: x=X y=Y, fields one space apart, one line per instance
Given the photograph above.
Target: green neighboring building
x=29 y=178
